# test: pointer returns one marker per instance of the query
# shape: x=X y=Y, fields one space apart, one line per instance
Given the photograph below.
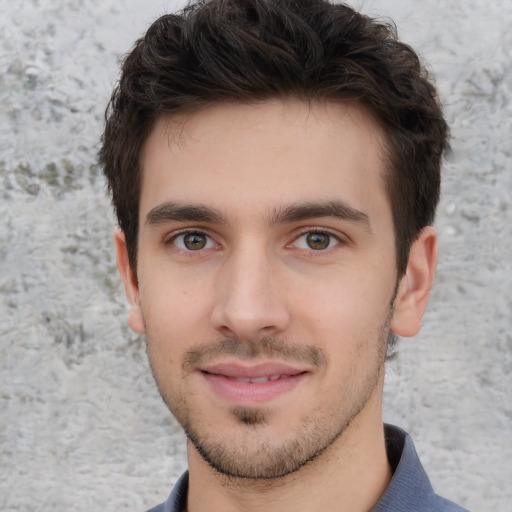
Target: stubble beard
x=256 y=459
x=255 y=456
x=252 y=453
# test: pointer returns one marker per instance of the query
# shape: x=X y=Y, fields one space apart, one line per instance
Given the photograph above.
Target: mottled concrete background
x=81 y=424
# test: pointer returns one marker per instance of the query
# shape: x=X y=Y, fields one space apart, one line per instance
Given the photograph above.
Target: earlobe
x=415 y=284
x=131 y=286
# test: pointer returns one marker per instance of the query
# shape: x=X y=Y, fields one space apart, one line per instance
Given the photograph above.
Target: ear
x=131 y=286
x=415 y=284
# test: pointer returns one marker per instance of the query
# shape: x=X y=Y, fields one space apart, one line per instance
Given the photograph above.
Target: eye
x=193 y=241
x=316 y=240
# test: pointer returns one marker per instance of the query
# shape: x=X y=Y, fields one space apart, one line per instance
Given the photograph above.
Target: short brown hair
x=254 y=50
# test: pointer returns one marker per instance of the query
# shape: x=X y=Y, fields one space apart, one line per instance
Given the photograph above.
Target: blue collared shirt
x=409 y=490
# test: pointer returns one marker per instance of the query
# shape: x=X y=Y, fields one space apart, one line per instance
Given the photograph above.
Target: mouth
x=257 y=380
x=245 y=385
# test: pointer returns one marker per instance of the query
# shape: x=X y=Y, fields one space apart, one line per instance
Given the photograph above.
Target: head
x=248 y=51
x=274 y=166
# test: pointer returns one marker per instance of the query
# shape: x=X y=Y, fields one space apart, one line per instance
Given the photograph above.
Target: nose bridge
x=249 y=301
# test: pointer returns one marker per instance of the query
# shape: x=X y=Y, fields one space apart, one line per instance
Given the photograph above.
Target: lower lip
x=250 y=393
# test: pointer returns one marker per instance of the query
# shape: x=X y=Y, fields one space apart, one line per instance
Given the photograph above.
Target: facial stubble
x=317 y=431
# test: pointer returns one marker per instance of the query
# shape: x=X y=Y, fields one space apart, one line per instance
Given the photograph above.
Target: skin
x=287 y=264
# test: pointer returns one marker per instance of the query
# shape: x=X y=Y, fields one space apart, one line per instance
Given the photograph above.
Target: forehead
x=263 y=155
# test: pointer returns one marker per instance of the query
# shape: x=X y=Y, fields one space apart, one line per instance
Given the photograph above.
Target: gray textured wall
x=81 y=425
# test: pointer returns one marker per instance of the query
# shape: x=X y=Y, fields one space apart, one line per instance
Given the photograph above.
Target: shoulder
x=158 y=508
x=177 y=499
x=444 y=505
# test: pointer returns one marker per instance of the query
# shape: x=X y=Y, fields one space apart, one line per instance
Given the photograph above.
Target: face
x=266 y=279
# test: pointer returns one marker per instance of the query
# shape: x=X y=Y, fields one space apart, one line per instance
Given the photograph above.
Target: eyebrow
x=176 y=212
x=169 y=212
x=310 y=210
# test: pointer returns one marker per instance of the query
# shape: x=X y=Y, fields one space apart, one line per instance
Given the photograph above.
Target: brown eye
x=195 y=241
x=318 y=241
x=192 y=241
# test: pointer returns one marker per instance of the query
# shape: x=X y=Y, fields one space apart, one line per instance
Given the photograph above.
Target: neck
x=351 y=474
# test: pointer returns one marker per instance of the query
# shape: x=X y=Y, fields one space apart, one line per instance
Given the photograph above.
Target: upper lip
x=255 y=371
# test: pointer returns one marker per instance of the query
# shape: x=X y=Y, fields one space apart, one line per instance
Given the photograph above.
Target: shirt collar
x=409 y=485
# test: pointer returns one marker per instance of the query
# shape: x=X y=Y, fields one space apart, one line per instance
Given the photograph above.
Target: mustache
x=268 y=347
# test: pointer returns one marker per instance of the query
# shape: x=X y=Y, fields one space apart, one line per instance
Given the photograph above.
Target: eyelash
x=311 y=230
x=171 y=240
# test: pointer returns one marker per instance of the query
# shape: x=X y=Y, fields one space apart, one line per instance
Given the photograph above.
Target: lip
x=245 y=385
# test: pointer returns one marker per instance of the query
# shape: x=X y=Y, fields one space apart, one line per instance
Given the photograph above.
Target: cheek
x=346 y=301
x=343 y=314
x=175 y=318
x=173 y=295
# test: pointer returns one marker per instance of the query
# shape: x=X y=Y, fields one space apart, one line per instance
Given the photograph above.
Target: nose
x=250 y=298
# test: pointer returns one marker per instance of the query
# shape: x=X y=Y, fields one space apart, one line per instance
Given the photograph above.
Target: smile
x=251 y=385
x=257 y=380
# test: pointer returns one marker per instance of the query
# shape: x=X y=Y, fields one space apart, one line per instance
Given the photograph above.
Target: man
x=274 y=166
